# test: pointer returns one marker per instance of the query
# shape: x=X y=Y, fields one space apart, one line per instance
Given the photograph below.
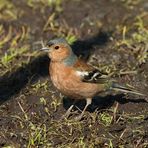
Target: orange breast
x=65 y=79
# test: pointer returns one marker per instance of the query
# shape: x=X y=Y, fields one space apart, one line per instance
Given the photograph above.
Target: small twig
x=128 y=72
x=123 y=133
x=138 y=142
x=115 y=112
x=23 y=110
x=119 y=119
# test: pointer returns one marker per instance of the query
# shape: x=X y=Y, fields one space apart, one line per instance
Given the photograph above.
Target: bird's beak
x=46 y=49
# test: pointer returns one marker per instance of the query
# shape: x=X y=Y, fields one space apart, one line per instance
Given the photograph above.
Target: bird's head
x=60 y=51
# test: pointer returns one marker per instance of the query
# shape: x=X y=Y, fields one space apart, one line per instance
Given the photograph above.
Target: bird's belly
x=74 y=88
x=67 y=87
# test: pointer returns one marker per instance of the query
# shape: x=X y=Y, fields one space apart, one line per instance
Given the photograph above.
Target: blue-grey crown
x=57 y=41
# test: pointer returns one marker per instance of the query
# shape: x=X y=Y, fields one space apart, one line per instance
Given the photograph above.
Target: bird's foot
x=68 y=112
x=88 y=102
x=78 y=118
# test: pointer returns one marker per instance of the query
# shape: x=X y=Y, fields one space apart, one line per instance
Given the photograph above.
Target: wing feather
x=90 y=74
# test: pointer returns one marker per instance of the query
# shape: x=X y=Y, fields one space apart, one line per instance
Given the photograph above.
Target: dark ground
x=111 y=34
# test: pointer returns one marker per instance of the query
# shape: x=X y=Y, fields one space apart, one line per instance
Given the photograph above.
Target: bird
x=76 y=79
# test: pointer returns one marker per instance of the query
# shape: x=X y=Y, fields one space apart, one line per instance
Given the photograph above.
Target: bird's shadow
x=12 y=83
x=83 y=48
x=100 y=102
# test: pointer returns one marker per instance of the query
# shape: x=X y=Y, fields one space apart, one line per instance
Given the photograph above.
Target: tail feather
x=117 y=87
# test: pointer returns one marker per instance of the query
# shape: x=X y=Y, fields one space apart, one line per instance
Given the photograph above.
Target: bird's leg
x=68 y=112
x=88 y=102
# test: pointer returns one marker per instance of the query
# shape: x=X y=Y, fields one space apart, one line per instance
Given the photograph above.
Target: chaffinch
x=75 y=78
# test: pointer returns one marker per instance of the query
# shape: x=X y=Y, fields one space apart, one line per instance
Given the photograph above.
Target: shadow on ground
x=99 y=102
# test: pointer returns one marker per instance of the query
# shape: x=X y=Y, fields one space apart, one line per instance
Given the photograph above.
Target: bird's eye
x=56 y=47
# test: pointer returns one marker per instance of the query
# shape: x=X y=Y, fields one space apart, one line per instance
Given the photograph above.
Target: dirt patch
x=111 y=35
